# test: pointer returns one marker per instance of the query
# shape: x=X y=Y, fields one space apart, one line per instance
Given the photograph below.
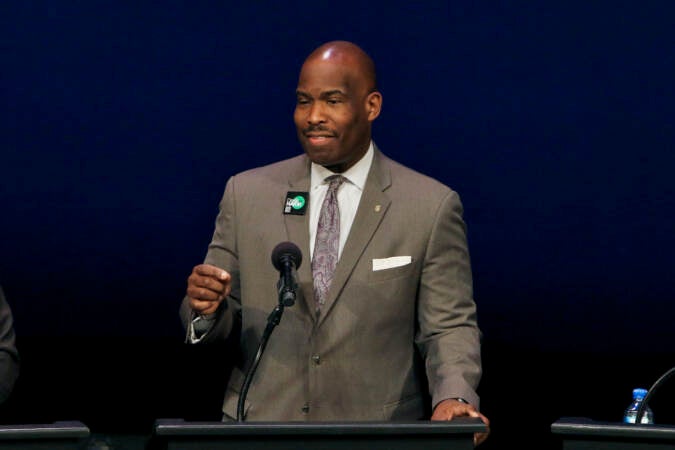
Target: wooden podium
x=586 y=434
x=176 y=434
x=55 y=436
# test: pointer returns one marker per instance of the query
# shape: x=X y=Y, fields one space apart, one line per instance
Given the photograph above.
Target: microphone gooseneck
x=651 y=392
x=286 y=258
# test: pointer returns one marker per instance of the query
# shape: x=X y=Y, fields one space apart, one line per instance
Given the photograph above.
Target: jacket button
x=305 y=408
x=316 y=359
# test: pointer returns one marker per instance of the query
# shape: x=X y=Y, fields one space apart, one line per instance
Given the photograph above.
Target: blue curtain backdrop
x=121 y=122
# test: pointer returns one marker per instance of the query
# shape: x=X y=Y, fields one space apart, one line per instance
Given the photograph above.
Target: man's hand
x=207 y=287
x=451 y=408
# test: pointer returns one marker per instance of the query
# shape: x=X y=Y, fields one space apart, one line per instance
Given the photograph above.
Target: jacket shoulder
x=405 y=178
x=278 y=170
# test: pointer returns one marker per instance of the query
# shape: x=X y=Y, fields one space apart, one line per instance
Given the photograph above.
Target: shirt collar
x=356 y=175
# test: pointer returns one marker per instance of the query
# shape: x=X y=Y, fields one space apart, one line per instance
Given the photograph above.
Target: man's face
x=331 y=114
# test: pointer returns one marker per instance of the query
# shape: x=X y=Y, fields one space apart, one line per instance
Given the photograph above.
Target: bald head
x=350 y=56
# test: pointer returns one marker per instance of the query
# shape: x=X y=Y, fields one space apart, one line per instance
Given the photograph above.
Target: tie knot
x=334 y=182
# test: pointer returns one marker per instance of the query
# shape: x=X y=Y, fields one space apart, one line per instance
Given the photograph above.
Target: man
x=9 y=357
x=397 y=304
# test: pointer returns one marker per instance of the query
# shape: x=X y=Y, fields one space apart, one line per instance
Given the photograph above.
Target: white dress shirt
x=349 y=196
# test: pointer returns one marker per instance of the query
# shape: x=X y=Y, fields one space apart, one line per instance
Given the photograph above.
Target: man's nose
x=316 y=115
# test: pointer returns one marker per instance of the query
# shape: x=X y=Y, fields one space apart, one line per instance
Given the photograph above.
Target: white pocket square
x=390 y=263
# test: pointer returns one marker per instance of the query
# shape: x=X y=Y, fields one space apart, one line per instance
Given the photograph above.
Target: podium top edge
x=168 y=427
x=65 y=430
x=588 y=427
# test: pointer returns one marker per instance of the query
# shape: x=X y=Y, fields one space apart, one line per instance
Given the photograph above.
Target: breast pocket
x=407 y=270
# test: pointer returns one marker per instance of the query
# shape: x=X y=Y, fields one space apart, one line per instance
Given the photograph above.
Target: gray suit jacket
x=383 y=336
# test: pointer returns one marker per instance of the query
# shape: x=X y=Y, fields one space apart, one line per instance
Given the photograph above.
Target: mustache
x=318 y=129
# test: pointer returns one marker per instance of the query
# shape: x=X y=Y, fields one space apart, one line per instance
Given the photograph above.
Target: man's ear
x=373 y=105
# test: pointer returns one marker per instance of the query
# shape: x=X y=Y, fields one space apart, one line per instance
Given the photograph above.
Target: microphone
x=286 y=258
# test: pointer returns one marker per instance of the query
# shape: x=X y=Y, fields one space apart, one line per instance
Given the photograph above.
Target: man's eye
x=302 y=101
x=333 y=101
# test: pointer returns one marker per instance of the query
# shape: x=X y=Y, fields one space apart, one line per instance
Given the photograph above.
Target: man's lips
x=318 y=138
x=313 y=134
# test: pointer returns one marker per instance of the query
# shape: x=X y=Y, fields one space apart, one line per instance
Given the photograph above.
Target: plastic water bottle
x=630 y=414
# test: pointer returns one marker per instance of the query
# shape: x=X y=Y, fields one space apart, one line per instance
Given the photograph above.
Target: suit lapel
x=297 y=229
x=372 y=208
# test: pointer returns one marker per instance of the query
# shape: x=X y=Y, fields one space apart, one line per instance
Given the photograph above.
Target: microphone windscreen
x=289 y=250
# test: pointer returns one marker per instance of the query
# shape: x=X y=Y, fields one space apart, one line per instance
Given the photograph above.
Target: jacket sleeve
x=448 y=336
x=222 y=253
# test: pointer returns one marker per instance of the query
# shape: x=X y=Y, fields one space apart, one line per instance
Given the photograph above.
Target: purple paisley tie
x=327 y=240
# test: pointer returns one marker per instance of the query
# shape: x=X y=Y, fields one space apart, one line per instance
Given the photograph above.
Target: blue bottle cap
x=639 y=393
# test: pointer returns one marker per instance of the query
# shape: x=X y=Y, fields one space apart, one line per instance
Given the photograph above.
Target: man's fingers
x=203 y=307
x=202 y=286
x=207 y=270
x=208 y=283
x=205 y=294
x=207 y=287
x=485 y=420
x=479 y=438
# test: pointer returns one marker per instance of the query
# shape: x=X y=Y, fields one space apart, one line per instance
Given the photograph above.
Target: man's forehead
x=326 y=68
x=327 y=77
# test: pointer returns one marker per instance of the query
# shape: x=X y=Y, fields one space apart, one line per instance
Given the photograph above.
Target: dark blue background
x=121 y=122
